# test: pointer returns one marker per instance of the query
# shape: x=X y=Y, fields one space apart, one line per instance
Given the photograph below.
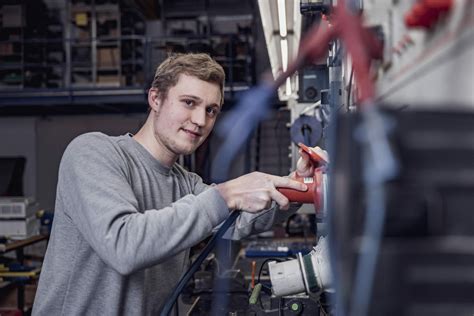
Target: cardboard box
x=108 y=57
x=108 y=80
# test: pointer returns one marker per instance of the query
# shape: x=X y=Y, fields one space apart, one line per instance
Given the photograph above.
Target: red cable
x=360 y=44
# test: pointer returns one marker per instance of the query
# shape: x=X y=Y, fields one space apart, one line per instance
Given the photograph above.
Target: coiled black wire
x=197 y=263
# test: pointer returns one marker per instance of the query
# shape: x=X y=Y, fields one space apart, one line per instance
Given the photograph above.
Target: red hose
x=360 y=44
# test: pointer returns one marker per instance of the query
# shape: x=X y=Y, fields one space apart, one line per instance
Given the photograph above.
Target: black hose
x=196 y=264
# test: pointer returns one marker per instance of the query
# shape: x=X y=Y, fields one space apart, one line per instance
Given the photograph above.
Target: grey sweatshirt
x=122 y=229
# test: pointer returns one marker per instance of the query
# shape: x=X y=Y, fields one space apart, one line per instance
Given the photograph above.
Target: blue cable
x=237 y=126
x=379 y=166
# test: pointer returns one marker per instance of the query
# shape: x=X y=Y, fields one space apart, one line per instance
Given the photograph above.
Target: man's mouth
x=192 y=133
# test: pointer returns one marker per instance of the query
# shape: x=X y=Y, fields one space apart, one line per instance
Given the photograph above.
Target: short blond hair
x=199 y=65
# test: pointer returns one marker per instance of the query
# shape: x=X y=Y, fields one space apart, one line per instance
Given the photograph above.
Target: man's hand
x=255 y=191
x=304 y=166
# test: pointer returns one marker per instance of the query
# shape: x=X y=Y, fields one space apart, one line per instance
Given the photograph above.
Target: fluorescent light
x=282 y=17
x=284 y=53
x=288 y=87
x=284 y=63
x=281 y=21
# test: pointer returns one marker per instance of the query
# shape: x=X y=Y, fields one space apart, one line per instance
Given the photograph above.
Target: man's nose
x=198 y=117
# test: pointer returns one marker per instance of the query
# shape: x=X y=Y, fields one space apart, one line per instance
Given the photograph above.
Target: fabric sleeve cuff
x=215 y=206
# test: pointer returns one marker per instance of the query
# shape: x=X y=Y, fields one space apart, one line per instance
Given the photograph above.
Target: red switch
x=439 y=5
x=425 y=13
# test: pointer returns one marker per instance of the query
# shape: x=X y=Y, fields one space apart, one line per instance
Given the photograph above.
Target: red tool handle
x=300 y=196
x=314 y=194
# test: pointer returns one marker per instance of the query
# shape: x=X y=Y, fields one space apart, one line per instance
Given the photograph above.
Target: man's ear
x=154 y=99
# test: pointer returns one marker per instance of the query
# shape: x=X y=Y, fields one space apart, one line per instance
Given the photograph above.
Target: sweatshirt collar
x=152 y=161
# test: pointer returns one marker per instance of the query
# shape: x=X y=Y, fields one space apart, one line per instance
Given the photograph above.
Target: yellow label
x=81 y=19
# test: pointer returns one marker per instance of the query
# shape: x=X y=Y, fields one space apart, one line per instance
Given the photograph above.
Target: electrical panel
x=427 y=53
x=312 y=81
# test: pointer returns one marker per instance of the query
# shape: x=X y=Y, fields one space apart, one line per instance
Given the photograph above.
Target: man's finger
x=280 y=199
x=304 y=155
x=281 y=182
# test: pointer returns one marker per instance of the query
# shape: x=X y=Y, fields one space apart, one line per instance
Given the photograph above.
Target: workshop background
x=68 y=67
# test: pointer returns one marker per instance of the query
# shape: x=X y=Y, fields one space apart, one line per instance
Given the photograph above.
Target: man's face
x=186 y=117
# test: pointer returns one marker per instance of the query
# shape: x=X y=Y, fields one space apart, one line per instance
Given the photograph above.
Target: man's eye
x=189 y=102
x=212 y=111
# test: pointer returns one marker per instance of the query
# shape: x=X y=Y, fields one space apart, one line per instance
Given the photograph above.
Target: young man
x=126 y=213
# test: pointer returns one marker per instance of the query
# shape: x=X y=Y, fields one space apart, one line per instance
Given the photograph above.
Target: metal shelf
x=121 y=81
x=72 y=96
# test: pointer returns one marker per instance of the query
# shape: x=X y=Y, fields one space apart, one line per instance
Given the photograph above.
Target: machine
x=398 y=233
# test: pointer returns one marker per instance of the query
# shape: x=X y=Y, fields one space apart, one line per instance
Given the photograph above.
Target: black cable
x=335 y=59
x=349 y=89
x=279 y=306
x=263 y=264
x=306 y=131
x=168 y=306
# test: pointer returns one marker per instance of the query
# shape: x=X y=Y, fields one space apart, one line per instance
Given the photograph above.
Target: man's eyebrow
x=190 y=96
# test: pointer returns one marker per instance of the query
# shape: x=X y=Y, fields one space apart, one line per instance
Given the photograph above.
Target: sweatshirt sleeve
x=248 y=224
x=94 y=192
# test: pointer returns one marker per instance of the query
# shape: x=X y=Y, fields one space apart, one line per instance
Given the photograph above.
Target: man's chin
x=187 y=150
x=186 y=147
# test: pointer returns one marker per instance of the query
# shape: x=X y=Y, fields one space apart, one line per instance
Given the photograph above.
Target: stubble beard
x=173 y=145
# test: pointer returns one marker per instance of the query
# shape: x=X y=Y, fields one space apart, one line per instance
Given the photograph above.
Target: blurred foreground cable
x=379 y=166
x=237 y=126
